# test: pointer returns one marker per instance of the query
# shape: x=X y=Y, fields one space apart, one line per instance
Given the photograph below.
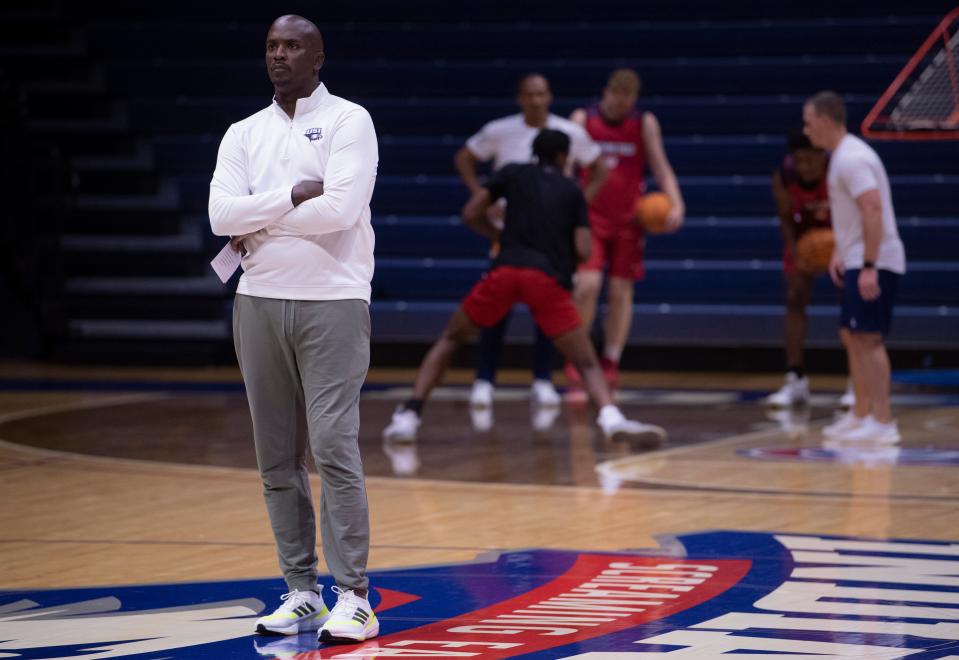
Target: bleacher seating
x=145 y=98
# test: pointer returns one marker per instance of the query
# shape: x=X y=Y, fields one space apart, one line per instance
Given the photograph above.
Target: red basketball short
x=618 y=245
x=550 y=304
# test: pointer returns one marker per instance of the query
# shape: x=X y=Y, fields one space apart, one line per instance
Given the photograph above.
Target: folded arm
x=233 y=210
x=348 y=185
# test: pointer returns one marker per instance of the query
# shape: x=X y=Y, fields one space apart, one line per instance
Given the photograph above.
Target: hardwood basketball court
x=146 y=477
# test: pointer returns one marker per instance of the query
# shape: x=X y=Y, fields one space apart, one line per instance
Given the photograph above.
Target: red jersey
x=809 y=205
x=625 y=156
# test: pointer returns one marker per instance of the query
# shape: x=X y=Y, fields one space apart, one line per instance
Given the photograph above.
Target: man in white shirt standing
x=510 y=140
x=868 y=262
x=292 y=188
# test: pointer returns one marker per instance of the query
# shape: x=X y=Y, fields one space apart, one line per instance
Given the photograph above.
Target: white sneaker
x=616 y=427
x=794 y=392
x=869 y=430
x=543 y=393
x=352 y=619
x=845 y=423
x=848 y=399
x=481 y=396
x=301 y=611
x=402 y=427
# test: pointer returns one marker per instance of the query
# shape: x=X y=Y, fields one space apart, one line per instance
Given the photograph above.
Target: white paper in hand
x=226 y=263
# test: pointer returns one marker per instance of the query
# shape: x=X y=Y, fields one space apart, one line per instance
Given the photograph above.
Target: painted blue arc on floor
x=702 y=595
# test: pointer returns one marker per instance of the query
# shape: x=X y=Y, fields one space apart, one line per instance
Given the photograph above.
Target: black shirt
x=543 y=209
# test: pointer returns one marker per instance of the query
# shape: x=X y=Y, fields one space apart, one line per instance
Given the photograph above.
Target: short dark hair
x=527 y=76
x=549 y=144
x=796 y=139
x=829 y=104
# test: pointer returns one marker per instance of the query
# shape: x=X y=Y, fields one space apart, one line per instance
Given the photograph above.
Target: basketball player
x=301 y=322
x=509 y=140
x=629 y=138
x=545 y=232
x=868 y=262
x=802 y=203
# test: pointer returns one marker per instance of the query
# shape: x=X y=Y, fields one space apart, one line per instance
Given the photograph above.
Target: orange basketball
x=815 y=249
x=651 y=211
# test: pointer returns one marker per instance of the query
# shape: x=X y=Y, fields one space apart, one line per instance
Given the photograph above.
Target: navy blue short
x=860 y=315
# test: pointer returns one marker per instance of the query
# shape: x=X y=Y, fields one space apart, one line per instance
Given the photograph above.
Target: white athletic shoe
x=301 y=611
x=403 y=426
x=481 y=396
x=848 y=399
x=869 y=430
x=616 y=427
x=845 y=423
x=543 y=393
x=794 y=392
x=352 y=619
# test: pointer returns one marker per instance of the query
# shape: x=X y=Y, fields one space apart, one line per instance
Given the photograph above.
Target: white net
x=932 y=100
x=923 y=100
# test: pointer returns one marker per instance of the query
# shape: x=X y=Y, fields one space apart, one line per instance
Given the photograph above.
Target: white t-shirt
x=855 y=168
x=323 y=248
x=510 y=140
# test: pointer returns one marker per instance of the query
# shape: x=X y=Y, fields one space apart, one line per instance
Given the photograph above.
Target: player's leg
x=586 y=287
x=857 y=373
x=553 y=311
x=798 y=294
x=486 y=305
x=625 y=269
x=588 y=283
x=872 y=320
x=273 y=390
x=332 y=343
x=459 y=330
x=489 y=347
x=875 y=363
x=795 y=390
x=854 y=416
x=542 y=391
x=619 y=318
x=866 y=321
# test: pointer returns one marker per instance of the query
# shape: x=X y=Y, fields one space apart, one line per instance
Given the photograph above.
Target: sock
x=613 y=353
x=416 y=405
x=609 y=409
x=796 y=369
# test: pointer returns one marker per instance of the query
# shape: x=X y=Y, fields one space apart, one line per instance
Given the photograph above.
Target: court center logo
x=712 y=594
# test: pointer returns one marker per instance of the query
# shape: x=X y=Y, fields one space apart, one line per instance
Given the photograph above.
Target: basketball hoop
x=922 y=103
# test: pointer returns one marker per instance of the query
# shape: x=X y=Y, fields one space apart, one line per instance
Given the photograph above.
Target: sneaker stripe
x=361 y=616
x=304 y=610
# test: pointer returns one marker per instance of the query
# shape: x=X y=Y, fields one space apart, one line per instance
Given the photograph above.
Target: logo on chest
x=314 y=134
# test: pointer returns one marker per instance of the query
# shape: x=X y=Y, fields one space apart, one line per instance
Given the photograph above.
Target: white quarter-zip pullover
x=323 y=248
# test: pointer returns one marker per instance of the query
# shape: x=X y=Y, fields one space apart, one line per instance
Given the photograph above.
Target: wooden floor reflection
x=137 y=487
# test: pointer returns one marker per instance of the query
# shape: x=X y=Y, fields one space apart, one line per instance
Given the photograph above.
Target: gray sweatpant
x=308 y=357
